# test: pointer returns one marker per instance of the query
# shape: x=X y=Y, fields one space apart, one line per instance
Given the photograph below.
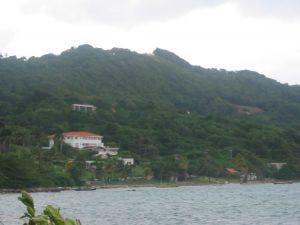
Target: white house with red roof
x=80 y=140
x=84 y=140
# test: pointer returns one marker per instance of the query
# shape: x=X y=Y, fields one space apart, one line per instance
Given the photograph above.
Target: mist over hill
x=154 y=106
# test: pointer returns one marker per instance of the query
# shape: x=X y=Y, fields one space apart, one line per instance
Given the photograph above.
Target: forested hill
x=121 y=78
x=151 y=105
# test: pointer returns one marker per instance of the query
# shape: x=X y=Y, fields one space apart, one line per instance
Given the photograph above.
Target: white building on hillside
x=84 y=140
x=277 y=165
x=127 y=161
x=83 y=107
x=80 y=140
x=105 y=151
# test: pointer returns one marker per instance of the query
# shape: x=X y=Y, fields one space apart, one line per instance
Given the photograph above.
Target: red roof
x=231 y=170
x=81 y=134
x=76 y=134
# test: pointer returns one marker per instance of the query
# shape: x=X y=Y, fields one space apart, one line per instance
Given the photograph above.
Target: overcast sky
x=260 y=35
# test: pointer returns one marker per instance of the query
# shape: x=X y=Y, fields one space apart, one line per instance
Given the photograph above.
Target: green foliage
x=23 y=168
x=173 y=118
x=5 y=136
x=50 y=216
x=285 y=173
x=18 y=170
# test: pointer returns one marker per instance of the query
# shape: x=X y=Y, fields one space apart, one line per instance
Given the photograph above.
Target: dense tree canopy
x=155 y=107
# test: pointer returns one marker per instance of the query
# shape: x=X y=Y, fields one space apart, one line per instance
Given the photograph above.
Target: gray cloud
x=115 y=12
x=288 y=9
x=128 y=13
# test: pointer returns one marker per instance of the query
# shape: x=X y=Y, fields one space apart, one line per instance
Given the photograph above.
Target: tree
x=183 y=167
x=59 y=141
x=19 y=170
x=285 y=173
x=243 y=166
x=5 y=136
x=107 y=168
x=124 y=170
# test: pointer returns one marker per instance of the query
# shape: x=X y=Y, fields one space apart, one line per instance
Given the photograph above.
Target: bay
x=223 y=204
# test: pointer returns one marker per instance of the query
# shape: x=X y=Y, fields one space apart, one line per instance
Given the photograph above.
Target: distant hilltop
x=120 y=77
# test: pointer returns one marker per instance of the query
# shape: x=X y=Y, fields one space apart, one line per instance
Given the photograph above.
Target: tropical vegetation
x=178 y=121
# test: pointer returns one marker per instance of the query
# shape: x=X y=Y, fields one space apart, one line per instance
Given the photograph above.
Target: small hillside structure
x=277 y=165
x=106 y=150
x=83 y=107
x=231 y=170
x=127 y=161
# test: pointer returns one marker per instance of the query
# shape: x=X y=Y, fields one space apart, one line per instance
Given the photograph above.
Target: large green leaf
x=27 y=200
x=54 y=215
x=71 y=222
x=41 y=220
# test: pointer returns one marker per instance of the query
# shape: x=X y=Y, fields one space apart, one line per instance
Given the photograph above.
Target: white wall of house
x=84 y=141
x=277 y=165
x=107 y=151
x=128 y=161
x=83 y=107
x=51 y=143
x=77 y=140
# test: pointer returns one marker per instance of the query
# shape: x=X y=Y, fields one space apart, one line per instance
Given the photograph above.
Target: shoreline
x=141 y=185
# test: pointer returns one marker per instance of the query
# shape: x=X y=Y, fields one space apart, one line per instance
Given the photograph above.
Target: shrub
x=50 y=216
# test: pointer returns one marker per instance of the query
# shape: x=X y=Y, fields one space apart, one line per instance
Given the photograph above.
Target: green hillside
x=156 y=107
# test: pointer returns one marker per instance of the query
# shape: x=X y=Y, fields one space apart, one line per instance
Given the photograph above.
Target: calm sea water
x=226 y=204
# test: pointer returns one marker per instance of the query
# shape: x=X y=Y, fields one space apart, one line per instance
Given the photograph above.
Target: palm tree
x=5 y=137
x=59 y=140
